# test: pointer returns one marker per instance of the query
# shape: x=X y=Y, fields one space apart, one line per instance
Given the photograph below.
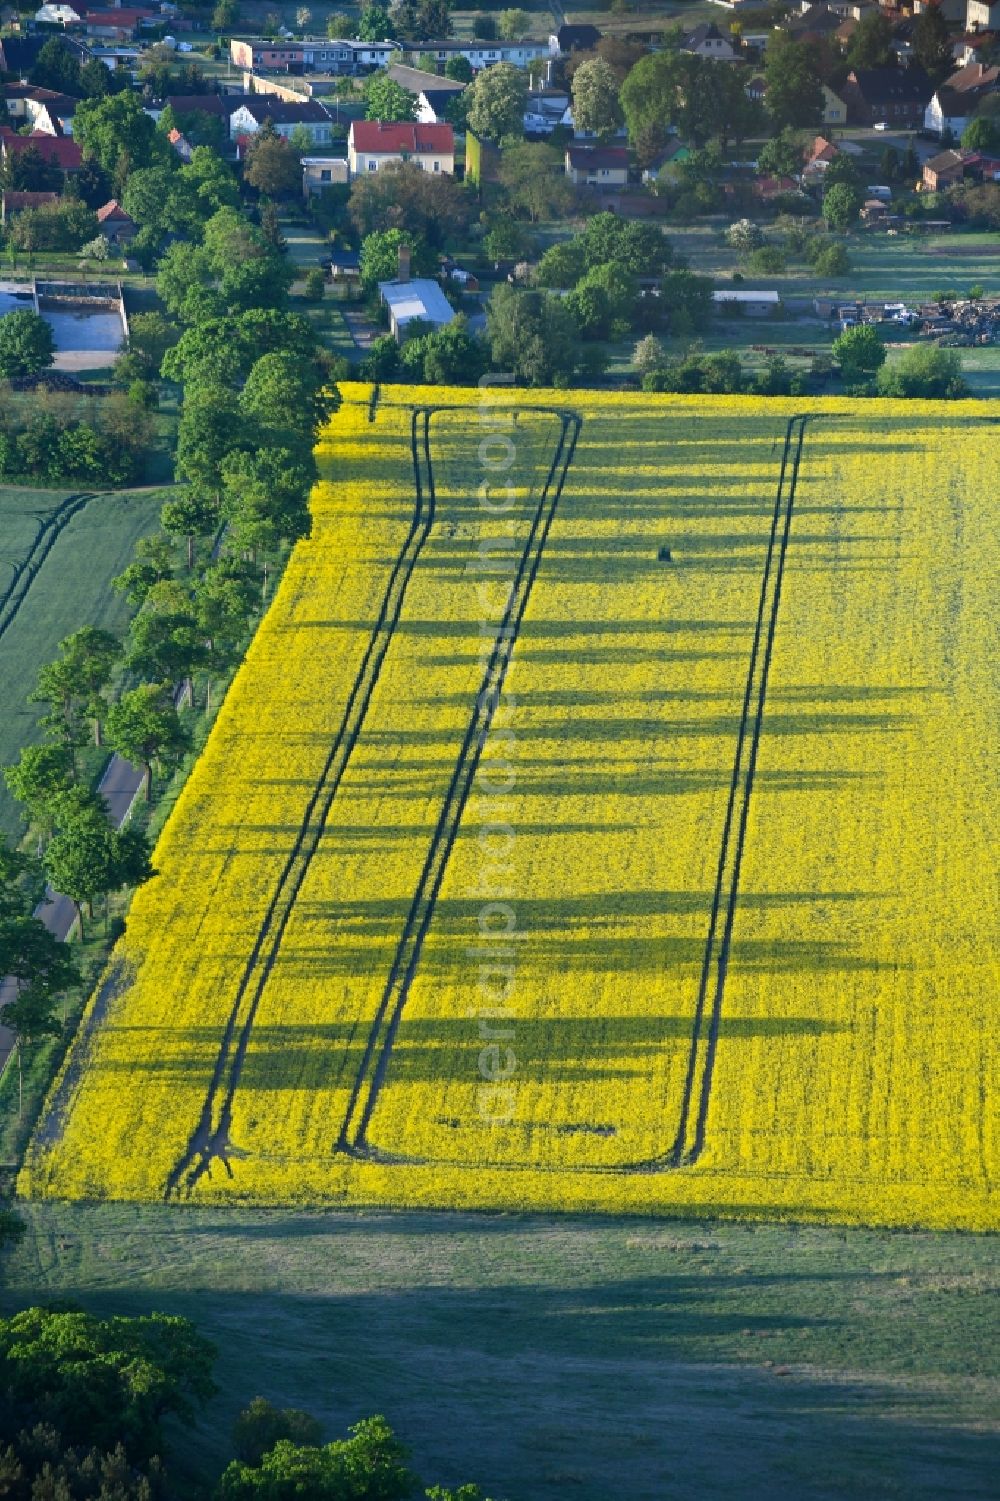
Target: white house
x=372 y=143
x=485 y=54
x=286 y=117
x=955 y=103
x=59 y=15
x=982 y=15
x=707 y=41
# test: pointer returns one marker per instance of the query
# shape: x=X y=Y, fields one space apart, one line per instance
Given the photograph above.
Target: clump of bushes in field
x=698 y=374
x=58 y=438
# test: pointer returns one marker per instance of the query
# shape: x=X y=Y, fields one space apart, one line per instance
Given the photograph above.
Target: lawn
x=549 y=1358
x=71 y=588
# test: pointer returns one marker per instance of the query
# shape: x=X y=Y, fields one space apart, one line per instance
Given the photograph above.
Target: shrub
x=925 y=370
x=767 y=260
x=315 y=283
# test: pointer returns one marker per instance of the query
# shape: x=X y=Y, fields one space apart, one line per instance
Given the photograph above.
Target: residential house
x=19 y=54
x=968 y=47
x=664 y=168
x=322 y=172
x=431 y=90
x=897 y=96
x=482 y=54
x=834 y=108
x=545 y=109
x=116 y=225
x=60 y=150
x=308 y=115
x=819 y=156
x=567 y=39
x=982 y=15
x=433 y=93
x=60 y=15
x=373 y=143
x=117 y=25
x=815 y=23
x=708 y=42
x=14 y=203
x=181 y=144
x=310 y=54
x=955 y=103
x=43 y=109
x=766 y=188
x=597 y=166
x=943 y=170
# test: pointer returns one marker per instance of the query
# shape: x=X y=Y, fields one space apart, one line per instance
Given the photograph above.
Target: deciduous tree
x=497 y=99
x=144 y=727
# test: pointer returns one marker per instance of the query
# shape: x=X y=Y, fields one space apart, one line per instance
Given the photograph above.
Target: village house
x=897 y=96
x=343 y=56
x=597 y=166
x=373 y=143
x=819 y=156
x=308 y=115
x=982 y=15
x=708 y=42
x=42 y=109
x=482 y=54
x=665 y=167
x=968 y=47
x=14 y=203
x=546 y=108
x=116 y=25
x=322 y=172
x=116 y=225
x=61 y=151
x=955 y=103
x=181 y=145
x=432 y=92
x=943 y=170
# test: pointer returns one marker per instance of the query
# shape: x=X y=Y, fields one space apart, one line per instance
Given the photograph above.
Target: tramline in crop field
x=603 y=818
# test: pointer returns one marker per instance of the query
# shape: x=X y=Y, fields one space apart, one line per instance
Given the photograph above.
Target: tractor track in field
x=705 y=1029
x=25 y=572
x=385 y=1025
x=210 y=1141
x=706 y=1023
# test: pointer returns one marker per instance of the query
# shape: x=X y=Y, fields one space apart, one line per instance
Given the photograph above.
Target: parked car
x=881 y=125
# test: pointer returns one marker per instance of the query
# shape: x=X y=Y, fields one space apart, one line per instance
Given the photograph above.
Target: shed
x=751 y=304
x=408 y=302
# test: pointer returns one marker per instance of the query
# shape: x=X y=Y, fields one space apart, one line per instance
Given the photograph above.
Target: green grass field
x=550 y=1358
x=71 y=588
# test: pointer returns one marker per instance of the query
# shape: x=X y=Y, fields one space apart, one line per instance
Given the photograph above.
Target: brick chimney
x=403 y=263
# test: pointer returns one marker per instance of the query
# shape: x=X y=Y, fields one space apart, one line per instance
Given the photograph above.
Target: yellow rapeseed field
x=604 y=818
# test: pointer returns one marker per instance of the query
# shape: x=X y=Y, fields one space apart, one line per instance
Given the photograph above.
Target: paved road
x=119 y=787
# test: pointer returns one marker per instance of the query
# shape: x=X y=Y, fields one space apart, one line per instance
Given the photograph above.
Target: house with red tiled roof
x=118 y=226
x=372 y=143
x=118 y=25
x=62 y=151
x=14 y=203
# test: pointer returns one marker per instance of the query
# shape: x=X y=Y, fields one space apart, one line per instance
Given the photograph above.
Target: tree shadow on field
x=554 y=1377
